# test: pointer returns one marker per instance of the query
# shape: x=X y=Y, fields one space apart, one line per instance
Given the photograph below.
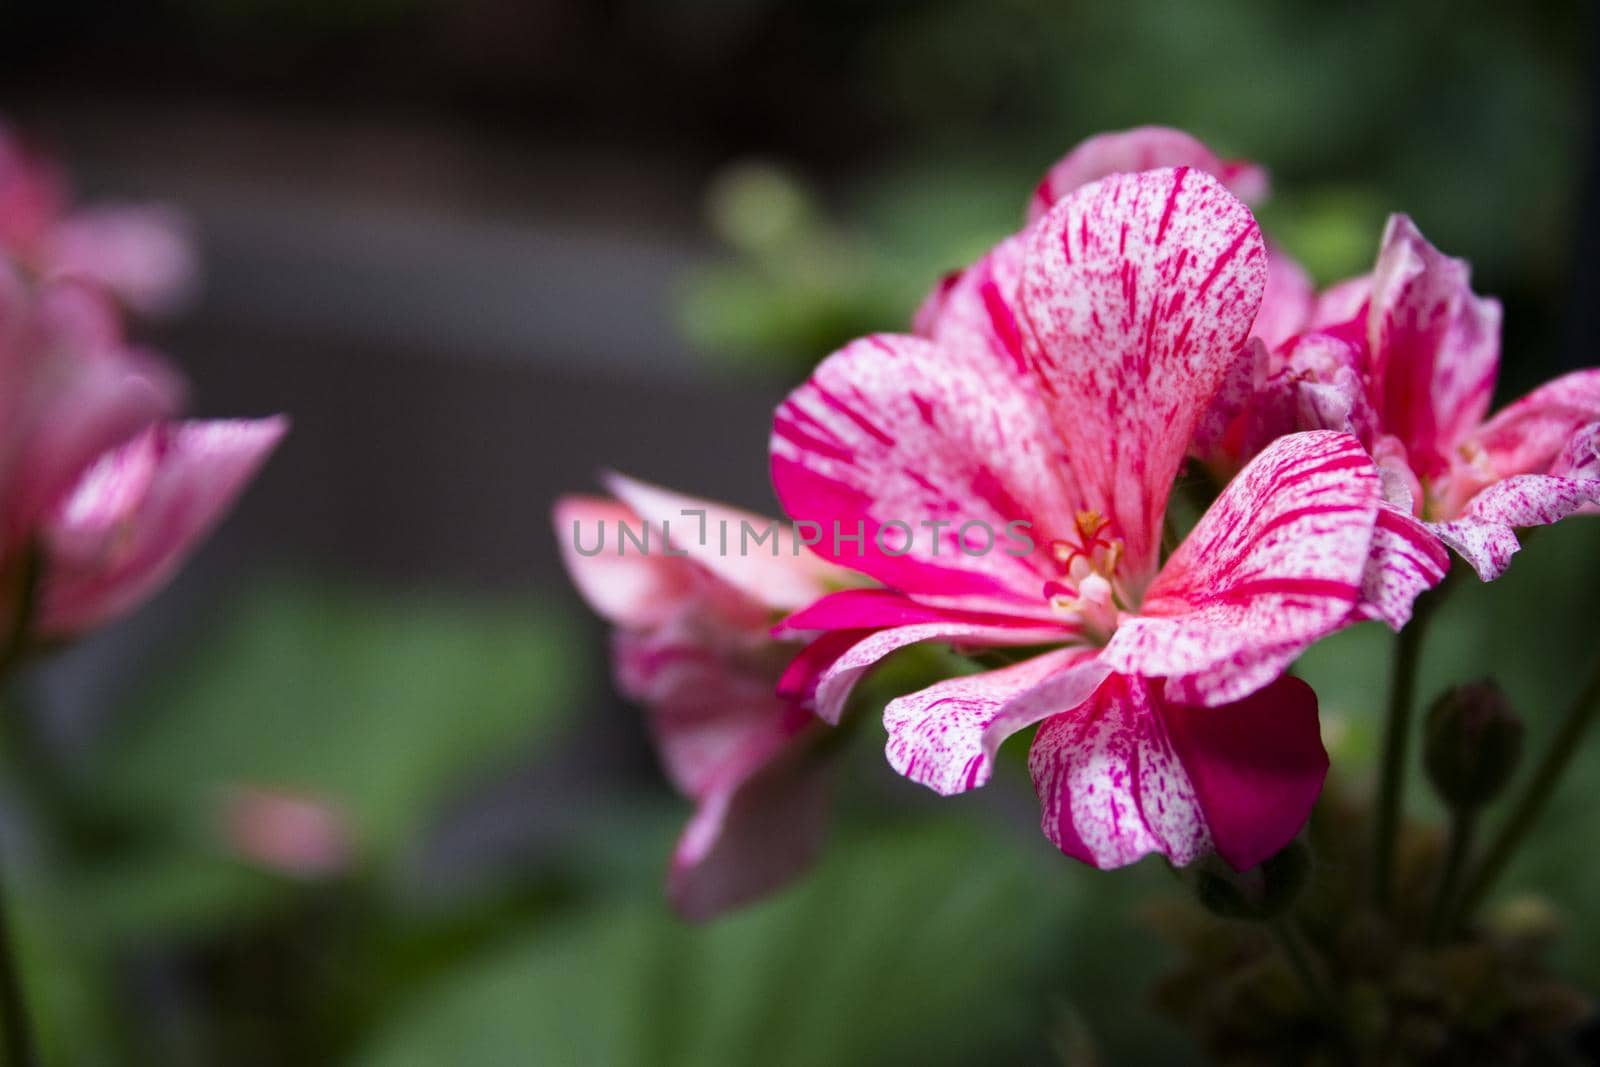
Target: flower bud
x=1258 y=894
x=1472 y=740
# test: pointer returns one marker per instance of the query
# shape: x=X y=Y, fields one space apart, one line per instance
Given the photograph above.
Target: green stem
x=14 y=644
x=1540 y=788
x=1304 y=965
x=16 y=1034
x=1463 y=828
x=1396 y=740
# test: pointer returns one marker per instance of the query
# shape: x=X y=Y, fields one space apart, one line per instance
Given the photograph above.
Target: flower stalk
x=1463 y=832
x=1396 y=743
x=1546 y=775
x=1303 y=962
x=16 y=1030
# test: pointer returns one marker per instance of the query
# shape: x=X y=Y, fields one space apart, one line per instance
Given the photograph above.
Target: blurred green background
x=481 y=249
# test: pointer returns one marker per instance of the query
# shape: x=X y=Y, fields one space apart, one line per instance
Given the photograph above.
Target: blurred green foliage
x=382 y=706
x=379 y=703
x=881 y=956
x=1471 y=117
x=912 y=943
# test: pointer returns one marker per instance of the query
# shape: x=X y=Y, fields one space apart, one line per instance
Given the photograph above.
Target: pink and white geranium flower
x=102 y=494
x=693 y=644
x=1059 y=382
x=1410 y=367
x=141 y=254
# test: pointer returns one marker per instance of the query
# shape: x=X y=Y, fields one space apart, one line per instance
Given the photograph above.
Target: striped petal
x=1140 y=291
x=835 y=679
x=1435 y=347
x=759 y=557
x=1530 y=434
x=1111 y=786
x=1581 y=456
x=1130 y=773
x=1405 y=560
x=946 y=736
x=913 y=467
x=1485 y=532
x=1277 y=562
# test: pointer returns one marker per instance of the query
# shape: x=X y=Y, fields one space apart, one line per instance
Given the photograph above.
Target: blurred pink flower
x=139 y=511
x=296 y=834
x=693 y=644
x=141 y=254
x=1059 y=382
x=96 y=484
x=1406 y=358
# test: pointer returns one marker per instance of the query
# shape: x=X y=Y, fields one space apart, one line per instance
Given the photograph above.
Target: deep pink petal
x=623 y=586
x=1112 y=788
x=855 y=609
x=1277 y=562
x=138 y=513
x=1406 y=559
x=758 y=556
x=799 y=680
x=1140 y=291
x=1138 y=149
x=1256 y=767
x=835 y=682
x=1485 y=533
x=1435 y=347
x=858 y=609
x=894 y=429
x=943 y=736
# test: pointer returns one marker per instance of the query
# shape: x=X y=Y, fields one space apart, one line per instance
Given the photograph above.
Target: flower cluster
x=104 y=489
x=1137 y=326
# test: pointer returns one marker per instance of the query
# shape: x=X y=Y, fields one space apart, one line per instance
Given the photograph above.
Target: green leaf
x=938 y=944
x=382 y=705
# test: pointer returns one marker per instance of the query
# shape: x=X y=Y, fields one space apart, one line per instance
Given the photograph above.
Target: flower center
x=1088 y=592
x=1444 y=495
